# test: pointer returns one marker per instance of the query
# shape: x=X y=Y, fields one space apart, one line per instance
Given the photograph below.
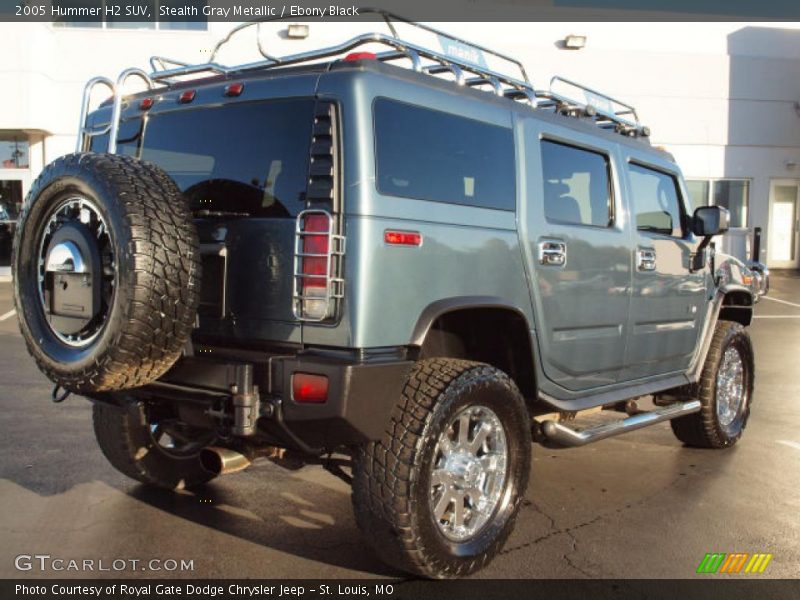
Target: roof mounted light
x=146 y=104
x=187 y=96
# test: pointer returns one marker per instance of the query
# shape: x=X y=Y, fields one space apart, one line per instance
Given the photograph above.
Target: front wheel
x=725 y=391
x=439 y=494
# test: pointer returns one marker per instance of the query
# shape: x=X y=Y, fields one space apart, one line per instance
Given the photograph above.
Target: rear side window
x=656 y=201
x=247 y=159
x=577 y=188
x=431 y=155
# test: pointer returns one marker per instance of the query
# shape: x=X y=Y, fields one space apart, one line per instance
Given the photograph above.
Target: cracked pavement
x=636 y=506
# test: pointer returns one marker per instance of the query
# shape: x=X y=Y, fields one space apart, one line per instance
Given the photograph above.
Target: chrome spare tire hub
x=76 y=271
x=469 y=473
x=730 y=388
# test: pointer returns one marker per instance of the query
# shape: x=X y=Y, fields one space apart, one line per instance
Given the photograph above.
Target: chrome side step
x=567 y=436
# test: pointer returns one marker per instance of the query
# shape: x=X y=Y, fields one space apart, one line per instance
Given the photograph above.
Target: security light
x=574 y=42
x=297 y=31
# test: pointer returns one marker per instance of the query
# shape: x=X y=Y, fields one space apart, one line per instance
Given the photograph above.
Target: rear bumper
x=362 y=390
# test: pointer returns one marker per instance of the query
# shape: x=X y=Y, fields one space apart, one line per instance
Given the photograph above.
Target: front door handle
x=552 y=253
x=646 y=259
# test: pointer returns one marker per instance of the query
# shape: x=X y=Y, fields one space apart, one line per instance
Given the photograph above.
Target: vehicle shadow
x=317 y=525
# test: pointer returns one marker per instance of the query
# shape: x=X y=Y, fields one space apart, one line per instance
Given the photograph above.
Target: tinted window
x=576 y=185
x=431 y=155
x=656 y=201
x=249 y=159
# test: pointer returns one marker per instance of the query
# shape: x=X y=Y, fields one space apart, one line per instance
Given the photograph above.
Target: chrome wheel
x=730 y=388
x=75 y=250
x=468 y=473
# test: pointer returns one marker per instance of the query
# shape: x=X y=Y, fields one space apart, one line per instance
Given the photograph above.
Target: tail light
x=318 y=253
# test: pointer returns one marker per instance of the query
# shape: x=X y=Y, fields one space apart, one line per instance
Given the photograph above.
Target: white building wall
x=720 y=96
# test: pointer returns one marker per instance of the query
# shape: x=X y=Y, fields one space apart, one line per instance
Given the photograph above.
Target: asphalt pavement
x=636 y=506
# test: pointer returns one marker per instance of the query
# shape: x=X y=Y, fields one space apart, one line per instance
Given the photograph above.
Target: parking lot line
x=791 y=444
x=8 y=315
x=776 y=316
x=782 y=301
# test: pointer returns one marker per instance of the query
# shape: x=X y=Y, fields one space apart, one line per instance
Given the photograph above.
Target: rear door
x=578 y=255
x=667 y=305
x=243 y=165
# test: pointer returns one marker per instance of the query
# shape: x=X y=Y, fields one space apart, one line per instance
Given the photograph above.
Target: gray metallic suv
x=405 y=274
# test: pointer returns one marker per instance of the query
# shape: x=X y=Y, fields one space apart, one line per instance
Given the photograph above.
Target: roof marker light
x=361 y=56
x=234 y=89
x=187 y=96
x=146 y=104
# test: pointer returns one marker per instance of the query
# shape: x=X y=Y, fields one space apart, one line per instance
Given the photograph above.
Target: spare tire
x=106 y=269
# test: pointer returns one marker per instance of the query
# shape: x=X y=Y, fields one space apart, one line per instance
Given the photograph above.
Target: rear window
x=248 y=159
x=431 y=155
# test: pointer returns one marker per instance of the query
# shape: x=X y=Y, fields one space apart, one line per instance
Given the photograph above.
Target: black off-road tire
x=153 y=307
x=703 y=429
x=123 y=434
x=391 y=477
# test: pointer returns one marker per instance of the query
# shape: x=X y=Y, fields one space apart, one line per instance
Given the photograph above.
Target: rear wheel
x=725 y=391
x=150 y=444
x=439 y=494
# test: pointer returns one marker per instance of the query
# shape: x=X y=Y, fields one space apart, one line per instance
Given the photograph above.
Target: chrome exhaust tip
x=222 y=461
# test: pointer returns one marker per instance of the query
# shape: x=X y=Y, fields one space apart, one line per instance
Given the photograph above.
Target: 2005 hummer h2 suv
x=412 y=271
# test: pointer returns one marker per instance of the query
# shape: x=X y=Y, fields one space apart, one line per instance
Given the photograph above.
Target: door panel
x=578 y=259
x=667 y=300
x=783 y=229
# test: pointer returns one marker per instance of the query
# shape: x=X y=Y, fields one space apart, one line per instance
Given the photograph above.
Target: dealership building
x=723 y=98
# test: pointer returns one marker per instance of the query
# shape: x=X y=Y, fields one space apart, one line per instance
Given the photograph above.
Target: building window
x=698 y=191
x=576 y=185
x=733 y=194
x=14 y=152
x=186 y=15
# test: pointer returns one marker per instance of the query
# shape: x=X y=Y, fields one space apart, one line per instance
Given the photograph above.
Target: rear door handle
x=646 y=259
x=552 y=253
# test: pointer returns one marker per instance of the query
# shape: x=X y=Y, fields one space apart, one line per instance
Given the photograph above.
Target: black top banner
x=149 y=11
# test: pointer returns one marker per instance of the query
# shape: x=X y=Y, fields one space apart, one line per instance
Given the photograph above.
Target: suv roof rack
x=589 y=104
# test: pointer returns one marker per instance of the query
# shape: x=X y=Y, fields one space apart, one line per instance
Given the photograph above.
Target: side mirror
x=710 y=220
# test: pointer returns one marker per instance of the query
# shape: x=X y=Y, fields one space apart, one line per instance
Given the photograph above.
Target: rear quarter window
x=432 y=155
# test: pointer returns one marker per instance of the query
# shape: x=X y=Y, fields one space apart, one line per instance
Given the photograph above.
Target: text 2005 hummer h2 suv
x=422 y=269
